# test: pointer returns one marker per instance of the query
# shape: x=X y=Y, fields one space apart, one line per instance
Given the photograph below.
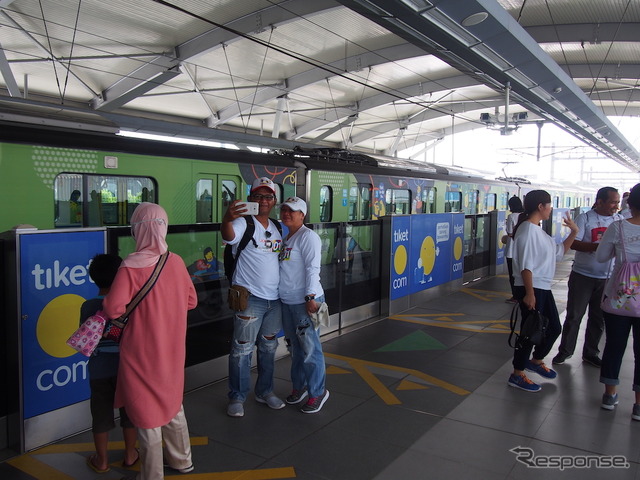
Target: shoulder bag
x=533 y=328
x=114 y=328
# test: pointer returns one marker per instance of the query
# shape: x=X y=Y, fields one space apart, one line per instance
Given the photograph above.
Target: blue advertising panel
x=400 y=245
x=431 y=249
x=457 y=267
x=501 y=231
x=54 y=283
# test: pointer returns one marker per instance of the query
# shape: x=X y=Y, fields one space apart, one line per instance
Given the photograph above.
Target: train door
x=477 y=247
x=213 y=194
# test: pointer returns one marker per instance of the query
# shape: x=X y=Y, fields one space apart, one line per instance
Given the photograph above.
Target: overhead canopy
x=367 y=75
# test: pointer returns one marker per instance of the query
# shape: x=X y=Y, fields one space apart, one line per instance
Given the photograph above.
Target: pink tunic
x=152 y=350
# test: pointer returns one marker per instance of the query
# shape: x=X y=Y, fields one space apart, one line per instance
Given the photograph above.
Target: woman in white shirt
x=620 y=241
x=302 y=295
x=534 y=263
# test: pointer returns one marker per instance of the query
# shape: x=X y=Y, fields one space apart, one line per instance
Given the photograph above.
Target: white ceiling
x=286 y=72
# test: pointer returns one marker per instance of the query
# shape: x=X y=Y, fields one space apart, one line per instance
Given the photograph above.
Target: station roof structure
x=371 y=76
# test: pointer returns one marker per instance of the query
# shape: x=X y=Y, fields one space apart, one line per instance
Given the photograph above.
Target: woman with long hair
x=622 y=242
x=534 y=263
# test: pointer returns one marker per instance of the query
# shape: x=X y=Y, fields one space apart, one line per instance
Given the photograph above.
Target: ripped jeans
x=307 y=359
x=258 y=325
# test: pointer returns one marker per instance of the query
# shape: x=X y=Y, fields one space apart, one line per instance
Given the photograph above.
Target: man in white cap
x=256 y=270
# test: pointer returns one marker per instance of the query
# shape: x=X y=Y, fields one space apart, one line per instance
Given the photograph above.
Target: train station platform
x=418 y=395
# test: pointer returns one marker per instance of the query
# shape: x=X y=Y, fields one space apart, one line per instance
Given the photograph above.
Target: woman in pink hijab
x=152 y=348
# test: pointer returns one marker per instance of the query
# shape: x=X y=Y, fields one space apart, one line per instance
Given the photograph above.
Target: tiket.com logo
x=527 y=456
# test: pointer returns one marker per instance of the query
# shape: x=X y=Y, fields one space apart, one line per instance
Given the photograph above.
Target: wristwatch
x=308 y=298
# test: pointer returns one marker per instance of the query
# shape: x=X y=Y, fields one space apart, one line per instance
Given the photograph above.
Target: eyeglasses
x=265 y=197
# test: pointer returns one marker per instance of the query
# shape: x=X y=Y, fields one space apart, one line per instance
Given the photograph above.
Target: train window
x=326 y=203
x=431 y=199
x=110 y=199
x=556 y=202
x=504 y=201
x=472 y=205
x=353 y=203
x=490 y=201
x=452 y=202
x=204 y=200
x=398 y=201
x=228 y=192
x=425 y=201
x=567 y=202
x=365 y=201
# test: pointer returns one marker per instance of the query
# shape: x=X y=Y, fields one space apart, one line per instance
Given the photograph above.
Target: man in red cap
x=257 y=270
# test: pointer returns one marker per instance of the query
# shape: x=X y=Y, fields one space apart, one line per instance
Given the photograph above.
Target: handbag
x=86 y=338
x=533 y=328
x=321 y=317
x=621 y=295
x=238 y=298
x=114 y=328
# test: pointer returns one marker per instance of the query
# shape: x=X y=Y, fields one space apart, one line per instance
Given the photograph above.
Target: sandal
x=129 y=465
x=93 y=466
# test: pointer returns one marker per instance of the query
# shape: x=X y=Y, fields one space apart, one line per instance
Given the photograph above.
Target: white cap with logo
x=296 y=204
x=263 y=182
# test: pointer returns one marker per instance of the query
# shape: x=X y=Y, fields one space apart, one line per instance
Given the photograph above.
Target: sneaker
x=235 y=409
x=314 y=404
x=541 y=369
x=296 y=396
x=593 y=360
x=271 y=400
x=560 y=358
x=188 y=469
x=523 y=383
x=610 y=401
x=636 y=411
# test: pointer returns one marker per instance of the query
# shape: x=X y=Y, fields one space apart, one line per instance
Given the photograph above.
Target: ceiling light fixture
x=475 y=19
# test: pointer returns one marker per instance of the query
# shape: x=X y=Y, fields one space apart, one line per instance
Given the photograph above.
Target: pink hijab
x=149 y=225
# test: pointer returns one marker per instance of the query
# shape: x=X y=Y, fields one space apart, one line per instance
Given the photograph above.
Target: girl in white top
x=534 y=262
x=516 y=208
x=623 y=234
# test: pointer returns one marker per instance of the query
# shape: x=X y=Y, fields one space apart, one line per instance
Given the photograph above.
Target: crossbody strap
x=147 y=286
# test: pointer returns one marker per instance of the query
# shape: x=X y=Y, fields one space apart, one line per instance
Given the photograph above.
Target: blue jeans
x=617 y=330
x=258 y=325
x=307 y=359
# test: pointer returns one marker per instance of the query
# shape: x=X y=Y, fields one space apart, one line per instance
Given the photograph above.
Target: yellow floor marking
x=410 y=371
x=375 y=384
x=262 y=474
x=475 y=295
x=90 y=447
x=407 y=385
x=430 y=315
x=37 y=469
x=333 y=370
x=457 y=325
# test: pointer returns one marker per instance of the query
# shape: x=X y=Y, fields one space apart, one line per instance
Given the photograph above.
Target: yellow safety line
x=428 y=378
x=261 y=474
x=376 y=385
x=453 y=326
x=90 y=447
x=37 y=469
x=494 y=292
x=479 y=297
x=430 y=315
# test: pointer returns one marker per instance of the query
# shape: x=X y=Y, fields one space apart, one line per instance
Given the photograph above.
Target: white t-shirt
x=536 y=251
x=257 y=269
x=510 y=225
x=300 y=266
x=591 y=229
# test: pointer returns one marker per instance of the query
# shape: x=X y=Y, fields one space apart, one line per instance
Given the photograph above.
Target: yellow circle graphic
x=57 y=321
x=428 y=254
x=400 y=260
x=457 y=248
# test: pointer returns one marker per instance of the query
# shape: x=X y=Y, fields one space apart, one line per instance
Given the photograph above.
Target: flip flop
x=93 y=466
x=129 y=465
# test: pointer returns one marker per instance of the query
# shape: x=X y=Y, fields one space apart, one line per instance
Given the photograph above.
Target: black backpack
x=229 y=260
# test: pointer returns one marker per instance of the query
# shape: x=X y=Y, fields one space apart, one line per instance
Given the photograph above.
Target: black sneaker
x=297 y=396
x=314 y=404
x=593 y=360
x=560 y=358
